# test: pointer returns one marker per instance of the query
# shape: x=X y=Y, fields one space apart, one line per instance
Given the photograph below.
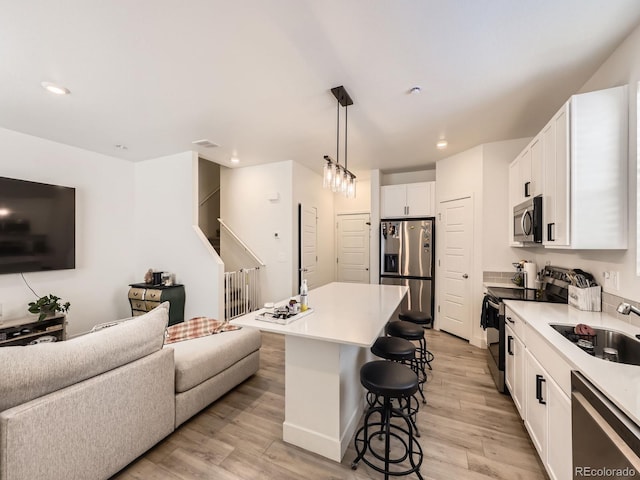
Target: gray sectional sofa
x=85 y=408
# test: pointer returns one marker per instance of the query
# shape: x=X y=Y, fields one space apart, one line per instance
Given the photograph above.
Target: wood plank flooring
x=469 y=430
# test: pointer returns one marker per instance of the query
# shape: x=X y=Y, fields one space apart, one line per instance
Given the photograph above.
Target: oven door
x=495 y=339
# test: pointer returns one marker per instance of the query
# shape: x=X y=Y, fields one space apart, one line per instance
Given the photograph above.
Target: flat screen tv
x=37 y=226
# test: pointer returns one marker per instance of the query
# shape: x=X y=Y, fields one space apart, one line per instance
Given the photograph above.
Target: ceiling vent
x=205 y=143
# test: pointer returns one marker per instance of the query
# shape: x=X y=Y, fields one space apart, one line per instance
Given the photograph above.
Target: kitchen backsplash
x=497 y=276
x=610 y=302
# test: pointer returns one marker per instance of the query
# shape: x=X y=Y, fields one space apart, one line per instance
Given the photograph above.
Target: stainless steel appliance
x=554 y=290
x=527 y=221
x=406 y=258
x=606 y=443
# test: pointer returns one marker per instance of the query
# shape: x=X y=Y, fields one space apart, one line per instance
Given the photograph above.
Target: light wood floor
x=469 y=430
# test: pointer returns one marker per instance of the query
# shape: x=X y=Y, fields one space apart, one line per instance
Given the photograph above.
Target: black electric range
x=525 y=294
x=554 y=290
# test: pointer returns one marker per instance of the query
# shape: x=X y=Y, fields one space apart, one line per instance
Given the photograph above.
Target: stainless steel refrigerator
x=407 y=258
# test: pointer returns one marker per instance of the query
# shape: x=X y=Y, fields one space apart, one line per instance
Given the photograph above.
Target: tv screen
x=37 y=226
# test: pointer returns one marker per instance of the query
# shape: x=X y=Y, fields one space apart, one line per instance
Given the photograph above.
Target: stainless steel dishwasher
x=606 y=443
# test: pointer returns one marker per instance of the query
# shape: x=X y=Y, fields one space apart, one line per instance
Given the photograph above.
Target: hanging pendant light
x=335 y=176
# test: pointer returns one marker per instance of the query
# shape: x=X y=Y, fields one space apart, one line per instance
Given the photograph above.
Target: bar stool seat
x=389 y=380
x=394 y=348
x=406 y=330
x=416 y=316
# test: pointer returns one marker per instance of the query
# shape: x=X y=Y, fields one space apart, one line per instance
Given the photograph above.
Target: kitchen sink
x=605 y=344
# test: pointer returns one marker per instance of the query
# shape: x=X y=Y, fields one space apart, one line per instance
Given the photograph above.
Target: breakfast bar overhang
x=323 y=355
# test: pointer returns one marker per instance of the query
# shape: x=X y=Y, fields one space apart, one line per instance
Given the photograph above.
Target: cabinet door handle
x=550 y=228
x=527 y=186
x=539 y=380
x=509 y=340
x=509 y=320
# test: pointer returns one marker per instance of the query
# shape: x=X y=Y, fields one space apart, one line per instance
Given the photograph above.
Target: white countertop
x=618 y=381
x=347 y=313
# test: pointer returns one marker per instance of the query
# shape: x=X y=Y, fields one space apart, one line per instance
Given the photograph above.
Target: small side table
x=144 y=297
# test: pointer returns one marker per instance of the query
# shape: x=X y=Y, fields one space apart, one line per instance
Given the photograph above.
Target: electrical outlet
x=611 y=281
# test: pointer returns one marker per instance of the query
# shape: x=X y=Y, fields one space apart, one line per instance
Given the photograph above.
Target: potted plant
x=47 y=306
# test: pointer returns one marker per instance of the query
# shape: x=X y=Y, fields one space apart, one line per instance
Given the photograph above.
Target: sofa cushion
x=199 y=359
x=33 y=371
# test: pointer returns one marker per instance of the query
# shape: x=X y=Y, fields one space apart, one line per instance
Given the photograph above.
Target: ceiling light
x=57 y=89
x=336 y=177
x=4 y=212
x=415 y=90
x=235 y=160
x=442 y=144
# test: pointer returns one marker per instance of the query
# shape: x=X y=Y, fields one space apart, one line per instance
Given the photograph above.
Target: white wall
x=166 y=232
x=307 y=190
x=97 y=288
x=622 y=67
x=497 y=256
x=408 y=177
x=482 y=174
x=460 y=176
x=246 y=208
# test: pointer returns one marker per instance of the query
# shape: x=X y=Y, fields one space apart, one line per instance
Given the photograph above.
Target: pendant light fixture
x=336 y=177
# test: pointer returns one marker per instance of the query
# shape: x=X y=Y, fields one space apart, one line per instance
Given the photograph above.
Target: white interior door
x=455 y=265
x=308 y=247
x=354 y=232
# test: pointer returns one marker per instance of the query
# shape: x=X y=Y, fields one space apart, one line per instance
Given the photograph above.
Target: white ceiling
x=254 y=75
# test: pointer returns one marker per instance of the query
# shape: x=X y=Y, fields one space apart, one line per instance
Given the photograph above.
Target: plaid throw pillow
x=196 y=327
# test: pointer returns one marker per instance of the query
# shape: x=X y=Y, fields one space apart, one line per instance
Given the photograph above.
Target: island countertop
x=347 y=313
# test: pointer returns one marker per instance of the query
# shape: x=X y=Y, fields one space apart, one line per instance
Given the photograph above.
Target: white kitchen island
x=323 y=355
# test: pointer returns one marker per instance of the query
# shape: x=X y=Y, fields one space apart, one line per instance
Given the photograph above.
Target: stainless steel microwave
x=527 y=221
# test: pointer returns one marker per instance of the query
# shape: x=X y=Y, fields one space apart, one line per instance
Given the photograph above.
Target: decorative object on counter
x=48 y=306
x=148 y=277
x=157 y=278
x=584 y=293
x=281 y=315
x=167 y=279
x=304 y=296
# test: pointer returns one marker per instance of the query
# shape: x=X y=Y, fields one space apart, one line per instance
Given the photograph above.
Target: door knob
x=465 y=276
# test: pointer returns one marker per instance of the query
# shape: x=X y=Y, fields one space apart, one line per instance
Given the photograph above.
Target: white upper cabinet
x=408 y=200
x=526 y=171
x=555 y=202
x=578 y=162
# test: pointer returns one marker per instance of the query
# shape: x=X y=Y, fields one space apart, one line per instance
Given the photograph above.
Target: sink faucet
x=625 y=309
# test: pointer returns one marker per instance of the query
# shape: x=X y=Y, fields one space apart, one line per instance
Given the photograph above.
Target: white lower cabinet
x=541 y=397
x=514 y=365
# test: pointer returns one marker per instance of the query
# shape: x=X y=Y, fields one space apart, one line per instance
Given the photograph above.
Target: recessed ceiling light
x=235 y=160
x=121 y=147
x=415 y=90
x=57 y=89
x=442 y=144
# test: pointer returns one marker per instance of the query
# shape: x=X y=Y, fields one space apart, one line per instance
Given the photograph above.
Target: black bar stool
x=424 y=320
x=388 y=380
x=411 y=331
x=398 y=349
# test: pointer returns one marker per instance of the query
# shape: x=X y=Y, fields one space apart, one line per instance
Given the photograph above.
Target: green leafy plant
x=48 y=305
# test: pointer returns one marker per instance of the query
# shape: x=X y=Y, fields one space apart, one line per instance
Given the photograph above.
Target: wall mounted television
x=37 y=226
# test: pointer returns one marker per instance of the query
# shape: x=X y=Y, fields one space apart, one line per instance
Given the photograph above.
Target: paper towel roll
x=531 y=271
